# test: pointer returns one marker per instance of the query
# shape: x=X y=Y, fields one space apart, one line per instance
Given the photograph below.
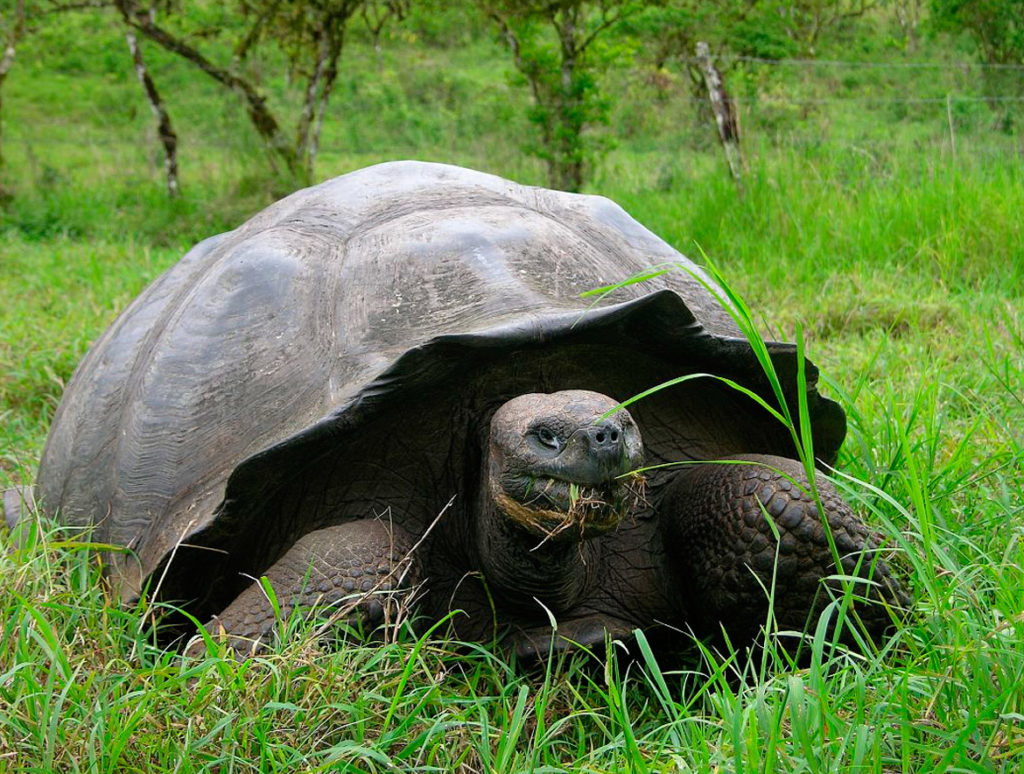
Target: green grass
x=900 y=265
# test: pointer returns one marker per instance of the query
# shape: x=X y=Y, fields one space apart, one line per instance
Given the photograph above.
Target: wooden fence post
x=725 y=113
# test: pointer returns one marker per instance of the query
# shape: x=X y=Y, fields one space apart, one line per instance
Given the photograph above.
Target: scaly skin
x=359 y=564
x=713 y=520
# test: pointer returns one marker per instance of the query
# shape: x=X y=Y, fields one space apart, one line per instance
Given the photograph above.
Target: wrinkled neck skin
x=521 y=569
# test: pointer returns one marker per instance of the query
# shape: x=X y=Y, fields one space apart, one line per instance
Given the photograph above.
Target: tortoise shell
x=336 y=356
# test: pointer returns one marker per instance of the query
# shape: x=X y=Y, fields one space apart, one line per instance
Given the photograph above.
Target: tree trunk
x=330 y=76
x=309 y=102
x=318 y=90
x=168 y=138
x=5 y=66
x=568 y=175
x=17 y=30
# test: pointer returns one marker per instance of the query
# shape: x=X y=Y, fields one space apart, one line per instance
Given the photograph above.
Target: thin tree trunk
x=569 y=153
x=330 y=76
x=375 y=27
x=531 y=77
x=7 y=61
x=318 y=91
x=309 y=102
x=5 y=65
x=168 y=138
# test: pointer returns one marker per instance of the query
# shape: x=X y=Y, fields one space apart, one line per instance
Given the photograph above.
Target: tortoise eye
x=548 y=438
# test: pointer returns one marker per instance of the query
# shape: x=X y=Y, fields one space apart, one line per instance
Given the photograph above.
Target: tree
x=908 y=17
x=15 y=26
x=670 y=30
x=556 y=48
x=806 y=20
x=997 y=28
x=144 y=20
x=310 y=32
x=377 y=14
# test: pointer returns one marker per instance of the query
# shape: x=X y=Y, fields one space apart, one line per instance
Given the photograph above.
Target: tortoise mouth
x=550 y=507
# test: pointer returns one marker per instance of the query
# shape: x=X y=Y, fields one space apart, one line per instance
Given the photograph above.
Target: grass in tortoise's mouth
x=552 y=506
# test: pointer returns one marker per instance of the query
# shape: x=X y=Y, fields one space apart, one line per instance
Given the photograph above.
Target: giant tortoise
x=389 y=387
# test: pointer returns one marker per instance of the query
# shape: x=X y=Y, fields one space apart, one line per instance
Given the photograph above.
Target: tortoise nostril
x=604 y=437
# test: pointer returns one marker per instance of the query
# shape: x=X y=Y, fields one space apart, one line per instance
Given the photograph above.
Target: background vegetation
x=881 y=217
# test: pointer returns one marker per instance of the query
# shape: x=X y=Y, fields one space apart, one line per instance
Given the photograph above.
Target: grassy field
x=899 y=259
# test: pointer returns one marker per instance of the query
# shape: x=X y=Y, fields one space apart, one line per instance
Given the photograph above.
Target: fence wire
x=951 y=66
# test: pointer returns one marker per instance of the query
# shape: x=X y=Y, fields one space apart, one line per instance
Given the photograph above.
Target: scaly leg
x=713 y=520
x=360 y=563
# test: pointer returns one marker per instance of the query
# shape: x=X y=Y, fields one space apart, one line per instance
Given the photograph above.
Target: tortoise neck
x=524 y=568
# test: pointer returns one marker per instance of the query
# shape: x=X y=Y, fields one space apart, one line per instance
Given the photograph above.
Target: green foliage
x=807 y=22
x=762 y=33
x=310 y=35
x=670 y=31
x=997 y=29
x=443 y=24
x=560 y=51
x=996 y=26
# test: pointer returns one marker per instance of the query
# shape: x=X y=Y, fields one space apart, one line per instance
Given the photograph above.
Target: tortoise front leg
x=355 y=567
x=713 y=520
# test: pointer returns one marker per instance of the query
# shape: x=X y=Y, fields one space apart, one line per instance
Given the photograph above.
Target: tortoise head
x=558 y=463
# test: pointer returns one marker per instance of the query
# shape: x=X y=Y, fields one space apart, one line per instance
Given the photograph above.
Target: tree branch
x=260 y=116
